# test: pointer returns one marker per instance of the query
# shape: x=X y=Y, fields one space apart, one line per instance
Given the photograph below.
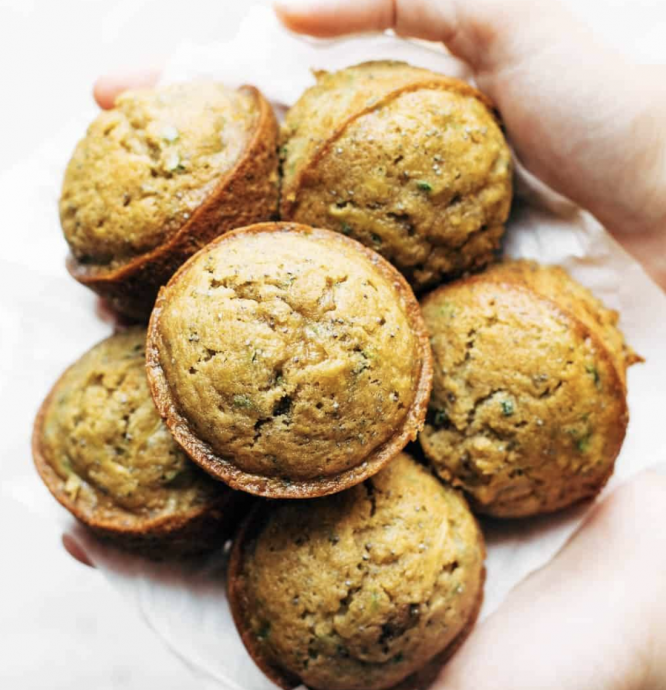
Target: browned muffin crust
x=265 y=406
x=555 y=284
x=409 y=162
x=159 y=505
x=377 y=588
x=247 y=193
x=528 y=411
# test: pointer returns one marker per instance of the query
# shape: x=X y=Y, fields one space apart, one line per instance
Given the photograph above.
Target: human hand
x=581 y=117
x=594 y=617
x=587 y=123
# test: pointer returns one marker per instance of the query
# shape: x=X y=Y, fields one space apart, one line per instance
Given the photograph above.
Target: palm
x=580 y=117
x=580 y=623
x=592 y=618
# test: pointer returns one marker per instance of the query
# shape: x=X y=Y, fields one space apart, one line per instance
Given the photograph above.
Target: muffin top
x=528 y=410
x=407 y=161
x=146 y=165
x=289 y=354
x=360 y=589
x=103 y=437
x=554 y=283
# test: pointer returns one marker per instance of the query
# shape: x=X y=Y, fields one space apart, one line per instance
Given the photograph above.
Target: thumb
x=581 y=117
x=483 y=33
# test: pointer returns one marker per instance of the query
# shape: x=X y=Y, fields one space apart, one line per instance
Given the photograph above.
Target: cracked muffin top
x=102 y=436
x=147 y=164
x=528 y=410
x=411 y=163
x=554 y=283
x=359 y=590
x=289 y=361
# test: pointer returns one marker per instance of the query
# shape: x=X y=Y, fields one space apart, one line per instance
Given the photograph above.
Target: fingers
x=325 y=18
x=108 y=87
x=481 y=32
x=581 y=117
x=75 y=550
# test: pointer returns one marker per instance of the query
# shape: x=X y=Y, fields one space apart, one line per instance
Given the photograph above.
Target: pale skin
x=593 y=126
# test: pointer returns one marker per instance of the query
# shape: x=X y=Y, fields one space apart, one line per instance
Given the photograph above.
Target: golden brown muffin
x=411 y=163
x=289 y=362
x=359 y=590
x=528 y=410
x=555 y=283
x=105 y=454
x=159 y=176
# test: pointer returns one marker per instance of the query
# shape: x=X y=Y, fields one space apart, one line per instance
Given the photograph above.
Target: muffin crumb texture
x=288 y=353
x=359 y=590
x=528 y=410
x=146 y=165
x=409 y=162
x=104 y=438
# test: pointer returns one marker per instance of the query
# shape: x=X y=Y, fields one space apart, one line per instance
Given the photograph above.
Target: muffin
x=159 y=176
x=104 y=453
x=359 y=590
x=289 y=362
x=528 y=410
x=554 y=283
x=411 y=163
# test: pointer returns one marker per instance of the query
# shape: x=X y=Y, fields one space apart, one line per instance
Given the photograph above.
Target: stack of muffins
x=287 y=363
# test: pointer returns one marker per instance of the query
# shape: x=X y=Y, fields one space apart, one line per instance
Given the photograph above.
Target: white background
x=61 y=625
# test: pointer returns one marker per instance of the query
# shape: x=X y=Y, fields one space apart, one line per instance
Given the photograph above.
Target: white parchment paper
x=186 y=605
